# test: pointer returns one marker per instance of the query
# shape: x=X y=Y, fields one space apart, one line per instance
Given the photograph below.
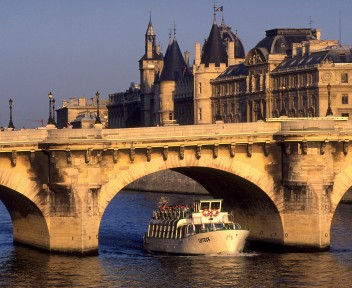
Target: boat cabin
x=210 y=204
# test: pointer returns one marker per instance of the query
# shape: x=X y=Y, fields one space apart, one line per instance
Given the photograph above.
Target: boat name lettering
x=202 y=240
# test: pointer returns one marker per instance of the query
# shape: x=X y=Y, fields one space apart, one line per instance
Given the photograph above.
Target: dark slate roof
x=228 y=35
x=279 y=41
x=155 y=56
x=167 y=52
x=214 y=51
x=174 y=63
x=234 y=70
x=333 y=54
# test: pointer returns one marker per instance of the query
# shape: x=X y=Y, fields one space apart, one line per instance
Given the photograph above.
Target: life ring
x=214 y=212
x=206 y=212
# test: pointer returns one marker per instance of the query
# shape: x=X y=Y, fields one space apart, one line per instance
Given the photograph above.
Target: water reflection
x=31 y=268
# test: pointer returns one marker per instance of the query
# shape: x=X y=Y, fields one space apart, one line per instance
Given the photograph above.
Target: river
x=123 y=263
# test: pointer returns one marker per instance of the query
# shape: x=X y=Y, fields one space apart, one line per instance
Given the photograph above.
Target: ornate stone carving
x=286 y=147
x=304 y=147
x=88 y=155
x=198 y=151
x=345 y=147
x=165 y=152
x=115 y=153
x=266 y=149
x=327 y=76
x=182 y=152
x=232 y=149
x=249 y=149
x=68 y=156
x=99 y=156
x=13 y=158
x=149 y=153
x=215 y=151
x=322 y=148
x=132 y=154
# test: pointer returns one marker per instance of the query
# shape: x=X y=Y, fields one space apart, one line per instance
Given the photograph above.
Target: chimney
x=197 y=54
x=316 y=33
x=158 y=49
x=82 y=101
x=187 y=58
x=231 y=53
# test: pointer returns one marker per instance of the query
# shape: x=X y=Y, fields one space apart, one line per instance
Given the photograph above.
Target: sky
x=74 y=48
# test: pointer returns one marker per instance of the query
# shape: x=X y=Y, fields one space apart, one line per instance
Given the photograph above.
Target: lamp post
x=11 y=126
x=53 y=103
x=50 y=119
x=283 y=111
x=329 y=111
x=97 y=119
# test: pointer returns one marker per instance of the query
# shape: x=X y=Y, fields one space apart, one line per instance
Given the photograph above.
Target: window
x=344 y=98
x=344 y=78
x=170 y=115
x=200 y=87
x=199 y=113
x=345 y=114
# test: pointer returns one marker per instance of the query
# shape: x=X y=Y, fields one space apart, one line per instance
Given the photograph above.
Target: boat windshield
x=210 y=205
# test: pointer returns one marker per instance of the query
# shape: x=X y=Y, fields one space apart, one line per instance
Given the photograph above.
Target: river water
x=123 y=263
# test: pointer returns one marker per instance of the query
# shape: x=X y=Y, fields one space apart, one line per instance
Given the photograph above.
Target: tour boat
x=198 y=230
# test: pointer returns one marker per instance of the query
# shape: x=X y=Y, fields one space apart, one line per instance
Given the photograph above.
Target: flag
x=218 y=9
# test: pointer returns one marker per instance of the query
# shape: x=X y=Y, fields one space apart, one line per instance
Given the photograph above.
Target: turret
x=150 y=65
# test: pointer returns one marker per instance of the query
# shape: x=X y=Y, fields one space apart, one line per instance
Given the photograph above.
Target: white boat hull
x=213 y=242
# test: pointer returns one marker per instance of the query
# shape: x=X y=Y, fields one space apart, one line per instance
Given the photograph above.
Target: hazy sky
x=77 y=47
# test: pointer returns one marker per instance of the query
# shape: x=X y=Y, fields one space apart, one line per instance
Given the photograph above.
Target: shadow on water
x=123 y=263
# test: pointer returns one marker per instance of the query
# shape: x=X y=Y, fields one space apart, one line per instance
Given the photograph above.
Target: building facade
x=291 y=72
x=81 y=112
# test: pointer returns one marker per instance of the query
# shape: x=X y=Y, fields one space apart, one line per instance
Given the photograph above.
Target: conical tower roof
x=150 y=29
x=214 y=50
x=174 y=63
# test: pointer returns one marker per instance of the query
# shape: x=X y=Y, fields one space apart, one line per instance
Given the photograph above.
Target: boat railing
x=237 y=226
x=172 y=213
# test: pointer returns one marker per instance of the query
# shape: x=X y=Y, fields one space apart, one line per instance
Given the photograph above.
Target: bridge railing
x=193 y=131
x=25 y=135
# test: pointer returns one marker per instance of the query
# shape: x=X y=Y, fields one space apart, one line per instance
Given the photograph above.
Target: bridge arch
x=24 y=202
x=244 y=188
x=343 y=182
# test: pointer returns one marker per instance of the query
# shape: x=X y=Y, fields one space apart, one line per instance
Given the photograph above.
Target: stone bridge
x=282 y=179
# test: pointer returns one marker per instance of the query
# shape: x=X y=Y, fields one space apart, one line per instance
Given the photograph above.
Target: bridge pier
x=74 y=221
x=307 y=184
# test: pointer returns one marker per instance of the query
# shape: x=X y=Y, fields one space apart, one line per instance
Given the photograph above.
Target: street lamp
x=329 y=111
x=283 y=111
x=53 y=103
x=11 y=126
x=97 y=119
x=50 y=119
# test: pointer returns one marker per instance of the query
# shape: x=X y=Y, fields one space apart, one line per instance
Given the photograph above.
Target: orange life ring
x=206 y=212
x=214 y=212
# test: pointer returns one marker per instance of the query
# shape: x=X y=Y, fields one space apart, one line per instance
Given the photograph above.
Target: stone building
x=290 y=72
x=172 y=91
x=124 y=108
x=81 y=112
